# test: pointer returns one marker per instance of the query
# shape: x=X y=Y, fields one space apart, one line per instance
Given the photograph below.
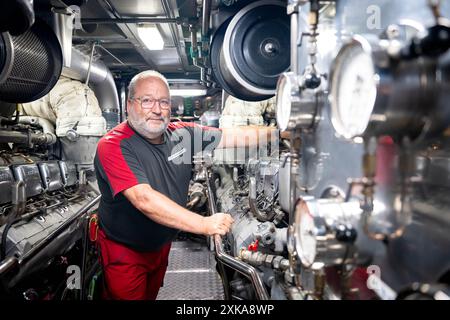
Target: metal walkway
x=191 y=274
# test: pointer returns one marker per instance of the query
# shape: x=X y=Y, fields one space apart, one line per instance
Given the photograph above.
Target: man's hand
x=219 y=223
x=165 y=211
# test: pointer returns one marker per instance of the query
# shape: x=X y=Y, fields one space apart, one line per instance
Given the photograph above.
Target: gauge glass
x=353 y=91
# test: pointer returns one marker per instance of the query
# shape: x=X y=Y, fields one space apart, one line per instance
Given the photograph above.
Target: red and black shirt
x=124 y=159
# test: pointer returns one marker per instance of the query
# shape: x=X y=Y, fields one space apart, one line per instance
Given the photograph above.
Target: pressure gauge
x=305 y=235
x=296 y=107
x=353 y=88
x=287 y=88
x=377 y=88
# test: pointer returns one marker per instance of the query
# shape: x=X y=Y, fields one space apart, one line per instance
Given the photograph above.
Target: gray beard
x=141 y=126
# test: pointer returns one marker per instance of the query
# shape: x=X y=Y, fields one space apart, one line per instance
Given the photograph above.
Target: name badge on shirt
x=176 y=154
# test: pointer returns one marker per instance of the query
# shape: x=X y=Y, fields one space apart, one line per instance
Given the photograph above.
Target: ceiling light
x=150 y=36
x=188 y=92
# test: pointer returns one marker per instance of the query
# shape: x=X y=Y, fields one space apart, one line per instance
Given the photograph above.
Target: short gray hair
x=143 y=75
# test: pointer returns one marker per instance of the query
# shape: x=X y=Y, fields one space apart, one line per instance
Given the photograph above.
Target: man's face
x=149 y=119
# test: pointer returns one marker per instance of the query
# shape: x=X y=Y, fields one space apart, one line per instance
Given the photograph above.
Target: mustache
x=155 y=118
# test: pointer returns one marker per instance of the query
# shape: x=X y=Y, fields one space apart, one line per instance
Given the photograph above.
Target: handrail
x=245 y=269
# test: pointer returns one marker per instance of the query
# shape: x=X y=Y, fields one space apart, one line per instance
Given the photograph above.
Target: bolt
x=269 y=47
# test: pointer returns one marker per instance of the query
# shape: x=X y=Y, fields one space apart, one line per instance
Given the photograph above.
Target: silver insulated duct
x=83 y=68
x=100 y=80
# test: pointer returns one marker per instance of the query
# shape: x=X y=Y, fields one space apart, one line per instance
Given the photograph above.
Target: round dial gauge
x=286 y=83
x=305 y=235
x=353 y=89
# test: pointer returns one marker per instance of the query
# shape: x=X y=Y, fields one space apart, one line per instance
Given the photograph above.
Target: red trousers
x=129 y=274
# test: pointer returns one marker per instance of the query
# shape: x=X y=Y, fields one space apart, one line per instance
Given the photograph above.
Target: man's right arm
x=163 y=210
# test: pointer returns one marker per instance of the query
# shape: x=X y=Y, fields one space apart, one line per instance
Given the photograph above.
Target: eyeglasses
x=149 y=103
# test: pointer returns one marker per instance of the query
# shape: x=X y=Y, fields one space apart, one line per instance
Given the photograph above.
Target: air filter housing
x=30 y=64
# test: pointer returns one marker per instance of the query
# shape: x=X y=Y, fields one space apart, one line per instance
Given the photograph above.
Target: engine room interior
x=345 y=200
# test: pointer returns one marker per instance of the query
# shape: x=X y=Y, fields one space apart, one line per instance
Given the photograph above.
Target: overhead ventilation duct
x=30 y=64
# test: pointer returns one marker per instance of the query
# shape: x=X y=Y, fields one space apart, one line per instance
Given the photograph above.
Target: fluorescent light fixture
x=187 y=92
x=150 y=36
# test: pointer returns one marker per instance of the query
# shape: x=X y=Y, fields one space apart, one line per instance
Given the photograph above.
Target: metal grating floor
x=191 y=274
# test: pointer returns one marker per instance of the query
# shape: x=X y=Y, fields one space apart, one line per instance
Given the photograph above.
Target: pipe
x=8 y=265
x=19 y=200
x=26 y=138
x=206 y=12
x=46 y=126
x=294 y=42
x=260 y=215
x=196 y=61
x=123 y=101
x=100 y=78
x=258 y=259
x=193 y=202
x=130 y=20
x=247 y=270
x=194 y=43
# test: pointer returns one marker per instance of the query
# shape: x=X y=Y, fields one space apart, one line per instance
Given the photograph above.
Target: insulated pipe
x=245 y=269
x=100 y=79
x=96 y=74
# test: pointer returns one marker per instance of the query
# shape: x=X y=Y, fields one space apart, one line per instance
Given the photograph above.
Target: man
x=143 y=168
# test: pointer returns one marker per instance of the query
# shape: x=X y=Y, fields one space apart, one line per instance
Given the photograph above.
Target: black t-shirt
x=124 y=159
